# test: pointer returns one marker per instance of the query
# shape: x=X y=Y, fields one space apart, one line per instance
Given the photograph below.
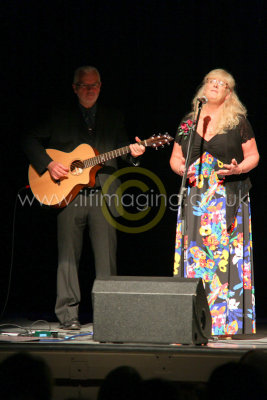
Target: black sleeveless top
x=223 y=147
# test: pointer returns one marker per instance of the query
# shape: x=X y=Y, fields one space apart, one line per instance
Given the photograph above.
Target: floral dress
x=218 y=239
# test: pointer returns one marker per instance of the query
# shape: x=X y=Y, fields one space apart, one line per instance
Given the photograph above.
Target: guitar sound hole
x=76 y=167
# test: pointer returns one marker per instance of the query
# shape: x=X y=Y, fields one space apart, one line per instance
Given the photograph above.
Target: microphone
x=202 y=99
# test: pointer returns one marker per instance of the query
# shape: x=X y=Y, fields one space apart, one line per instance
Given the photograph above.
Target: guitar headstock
x=158 y=140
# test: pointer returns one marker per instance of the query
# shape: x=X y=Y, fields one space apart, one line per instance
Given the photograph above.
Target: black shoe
x=73 y=324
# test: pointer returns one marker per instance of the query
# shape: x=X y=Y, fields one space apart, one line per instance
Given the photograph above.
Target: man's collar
x=91 y=109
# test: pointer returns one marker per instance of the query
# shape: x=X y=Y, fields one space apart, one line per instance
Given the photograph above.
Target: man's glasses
x=88 y=86
x=216 y=81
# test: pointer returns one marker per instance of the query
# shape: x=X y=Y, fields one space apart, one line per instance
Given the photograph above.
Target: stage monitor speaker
x=160 y=310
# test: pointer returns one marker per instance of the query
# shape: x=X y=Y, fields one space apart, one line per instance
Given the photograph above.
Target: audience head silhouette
x=233 y=381
x=120 y=384
x=24 y=377
x=158 y=389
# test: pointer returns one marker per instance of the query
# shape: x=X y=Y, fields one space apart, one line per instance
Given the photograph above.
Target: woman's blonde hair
x=232 y=108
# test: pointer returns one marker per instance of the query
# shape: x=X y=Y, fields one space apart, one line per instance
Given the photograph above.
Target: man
x=103 y=129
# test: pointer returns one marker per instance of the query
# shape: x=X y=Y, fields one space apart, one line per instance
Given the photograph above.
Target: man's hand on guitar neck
x=57 y=170
x=136 y=148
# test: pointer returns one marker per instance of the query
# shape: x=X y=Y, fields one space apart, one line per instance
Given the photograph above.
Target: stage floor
x=79 y=364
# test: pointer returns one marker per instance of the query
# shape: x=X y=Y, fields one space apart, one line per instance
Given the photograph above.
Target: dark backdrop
x=152 y=55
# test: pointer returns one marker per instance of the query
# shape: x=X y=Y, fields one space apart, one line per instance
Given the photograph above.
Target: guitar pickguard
x=76 y=167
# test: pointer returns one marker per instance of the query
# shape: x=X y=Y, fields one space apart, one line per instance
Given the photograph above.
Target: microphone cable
x=12 y=252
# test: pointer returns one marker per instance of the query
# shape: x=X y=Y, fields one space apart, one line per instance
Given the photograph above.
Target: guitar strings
x=100 y=158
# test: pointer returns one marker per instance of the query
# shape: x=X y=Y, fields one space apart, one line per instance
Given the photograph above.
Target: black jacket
x=66 y=129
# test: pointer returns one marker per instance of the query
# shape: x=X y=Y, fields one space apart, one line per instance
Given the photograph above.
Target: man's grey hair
x=85 y=69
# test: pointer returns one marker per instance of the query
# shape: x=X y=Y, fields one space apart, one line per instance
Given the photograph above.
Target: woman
x=218 y=243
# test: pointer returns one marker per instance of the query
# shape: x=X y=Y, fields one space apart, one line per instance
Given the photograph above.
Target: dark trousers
x=84 y=210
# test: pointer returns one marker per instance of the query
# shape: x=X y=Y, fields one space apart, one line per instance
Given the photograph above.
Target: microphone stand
x=182 y=192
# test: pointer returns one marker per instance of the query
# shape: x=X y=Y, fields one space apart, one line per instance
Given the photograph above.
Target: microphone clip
x=202 y=100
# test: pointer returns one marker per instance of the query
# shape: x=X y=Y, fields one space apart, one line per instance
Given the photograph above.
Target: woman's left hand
x=230 y=169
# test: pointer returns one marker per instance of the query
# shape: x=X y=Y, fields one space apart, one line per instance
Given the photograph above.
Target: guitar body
x=60 y=193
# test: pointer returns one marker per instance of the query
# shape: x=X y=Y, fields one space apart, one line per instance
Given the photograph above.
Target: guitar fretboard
x=91 y=162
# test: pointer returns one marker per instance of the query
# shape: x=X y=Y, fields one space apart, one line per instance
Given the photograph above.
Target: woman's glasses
x=213 y=81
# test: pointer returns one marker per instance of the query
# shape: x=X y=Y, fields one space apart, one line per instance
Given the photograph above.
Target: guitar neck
x=91 y=162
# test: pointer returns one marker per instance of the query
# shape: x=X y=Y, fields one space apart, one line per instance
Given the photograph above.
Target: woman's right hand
x=177 y=162
x=181 y=169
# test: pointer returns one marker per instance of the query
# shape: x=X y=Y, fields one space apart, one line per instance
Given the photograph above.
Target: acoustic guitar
x=83 y=163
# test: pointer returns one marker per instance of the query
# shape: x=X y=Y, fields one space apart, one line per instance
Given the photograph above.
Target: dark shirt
x=89 y=117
